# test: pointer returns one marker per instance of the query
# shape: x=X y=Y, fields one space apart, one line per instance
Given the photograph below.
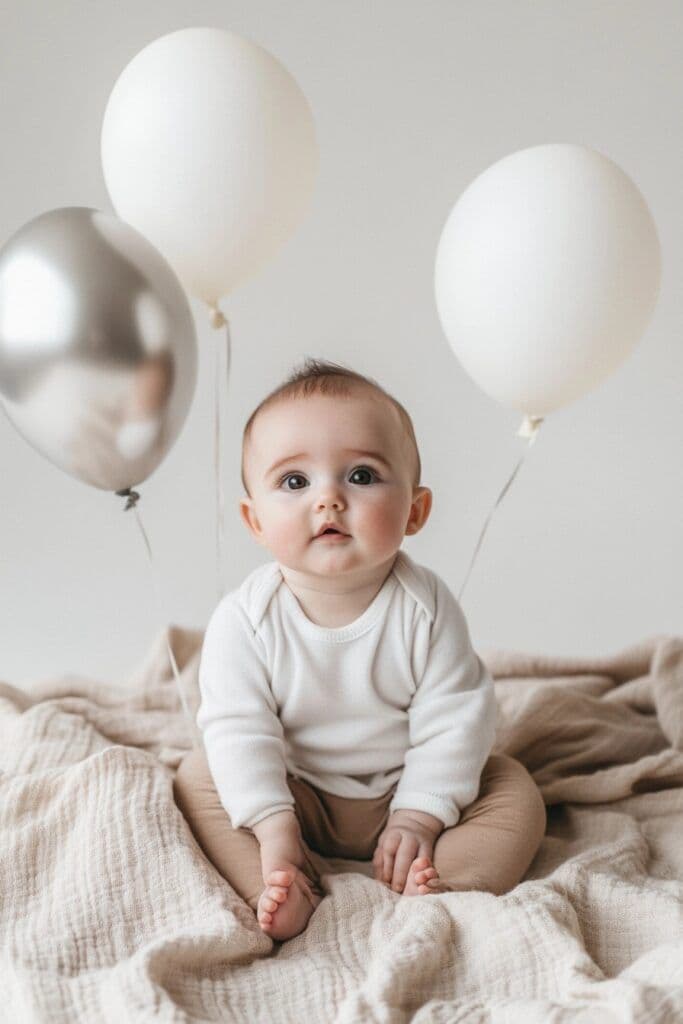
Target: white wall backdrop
x=412 y=101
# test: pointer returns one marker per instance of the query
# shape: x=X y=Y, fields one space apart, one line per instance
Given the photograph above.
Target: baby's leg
x=496 y=839
x=235 y=853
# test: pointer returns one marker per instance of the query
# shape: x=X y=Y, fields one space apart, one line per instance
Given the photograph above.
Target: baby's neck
x=336 y=601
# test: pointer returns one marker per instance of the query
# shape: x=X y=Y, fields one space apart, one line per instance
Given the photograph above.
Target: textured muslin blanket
x=110 y=911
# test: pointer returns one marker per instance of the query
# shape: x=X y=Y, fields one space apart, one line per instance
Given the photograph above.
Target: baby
x=343 y=710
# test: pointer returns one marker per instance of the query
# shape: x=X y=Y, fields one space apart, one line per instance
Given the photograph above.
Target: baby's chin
x=337 y=564
x=327 y=568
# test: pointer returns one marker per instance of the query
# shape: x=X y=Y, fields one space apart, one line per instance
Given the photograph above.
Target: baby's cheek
x=285 y=540
x=288 y=531
x=384 y=521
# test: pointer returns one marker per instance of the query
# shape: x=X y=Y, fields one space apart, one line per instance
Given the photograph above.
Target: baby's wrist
x=277 y=824
x=281 y=847
x=429 y=821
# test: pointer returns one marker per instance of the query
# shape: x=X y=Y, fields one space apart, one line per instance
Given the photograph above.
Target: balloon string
x=219 y=320
x=529 y=429
x=133 y=498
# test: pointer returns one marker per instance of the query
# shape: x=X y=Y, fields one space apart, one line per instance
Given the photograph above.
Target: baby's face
x=308 y=462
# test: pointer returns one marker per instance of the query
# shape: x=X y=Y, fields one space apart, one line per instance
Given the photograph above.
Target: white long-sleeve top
x=397 y=695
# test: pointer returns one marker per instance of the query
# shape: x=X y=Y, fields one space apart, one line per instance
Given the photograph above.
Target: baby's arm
x=243 y=735
x=451 y=720
x=245 y=750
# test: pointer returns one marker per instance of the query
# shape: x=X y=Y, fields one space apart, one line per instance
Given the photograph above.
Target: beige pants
x=489 y=849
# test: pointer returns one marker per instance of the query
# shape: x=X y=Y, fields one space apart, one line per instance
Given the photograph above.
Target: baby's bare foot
x=423 y=878
x=286 y=904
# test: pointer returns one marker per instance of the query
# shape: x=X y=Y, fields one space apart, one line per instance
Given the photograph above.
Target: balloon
x=547 y=273
x=208 y=148
x=98 y=354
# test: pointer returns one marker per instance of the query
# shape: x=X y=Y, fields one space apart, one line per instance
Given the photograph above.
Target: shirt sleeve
x=243 y=735
x=452 y=721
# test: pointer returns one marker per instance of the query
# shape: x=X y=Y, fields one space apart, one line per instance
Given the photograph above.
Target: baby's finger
x=389 y=847
x=387 y=866
x=404 y=858
x=426 y=849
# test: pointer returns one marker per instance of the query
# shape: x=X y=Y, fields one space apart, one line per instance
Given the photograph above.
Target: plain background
x=412 y=100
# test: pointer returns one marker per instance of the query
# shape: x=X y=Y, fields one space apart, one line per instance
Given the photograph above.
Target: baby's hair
x=315 y=376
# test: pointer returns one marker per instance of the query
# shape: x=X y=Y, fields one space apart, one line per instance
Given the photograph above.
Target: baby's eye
x=292 y=476
x=361 y=470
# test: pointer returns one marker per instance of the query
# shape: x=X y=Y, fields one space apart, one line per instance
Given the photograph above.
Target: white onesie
x=398 y=695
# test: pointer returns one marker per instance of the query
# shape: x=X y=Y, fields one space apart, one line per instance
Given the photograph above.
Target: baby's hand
x=408 y=834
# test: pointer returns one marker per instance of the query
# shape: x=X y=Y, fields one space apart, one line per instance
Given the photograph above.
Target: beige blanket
x=109 y=911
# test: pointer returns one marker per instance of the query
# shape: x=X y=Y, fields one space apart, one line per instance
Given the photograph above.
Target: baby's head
x=330 y=445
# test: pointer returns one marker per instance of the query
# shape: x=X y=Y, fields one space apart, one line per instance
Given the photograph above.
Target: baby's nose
x=330 y=497
x=330 y=502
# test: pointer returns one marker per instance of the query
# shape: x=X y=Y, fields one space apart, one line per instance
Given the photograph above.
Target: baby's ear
x=419 y=510
x=250 y=518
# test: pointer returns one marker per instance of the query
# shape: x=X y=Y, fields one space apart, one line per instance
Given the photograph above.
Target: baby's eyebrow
x=304 y=455
x=281 y=462
x=369 y=455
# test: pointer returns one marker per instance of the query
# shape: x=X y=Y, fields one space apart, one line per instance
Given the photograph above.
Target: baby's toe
x=277 y=893
x=269 y=905
x=425 y=875
x=280 y=877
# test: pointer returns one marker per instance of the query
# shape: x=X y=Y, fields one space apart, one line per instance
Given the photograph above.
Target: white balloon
x=208 y=149
x=547 y=273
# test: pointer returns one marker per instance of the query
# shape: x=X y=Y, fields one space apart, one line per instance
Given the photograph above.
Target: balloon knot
x=529 y=428
x=133 y=497
x=216 y=317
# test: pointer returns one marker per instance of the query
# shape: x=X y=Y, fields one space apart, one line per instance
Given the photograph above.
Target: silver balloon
x=98 y=352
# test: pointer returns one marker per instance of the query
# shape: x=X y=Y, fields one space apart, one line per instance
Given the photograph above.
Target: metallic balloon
x=98 y=352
